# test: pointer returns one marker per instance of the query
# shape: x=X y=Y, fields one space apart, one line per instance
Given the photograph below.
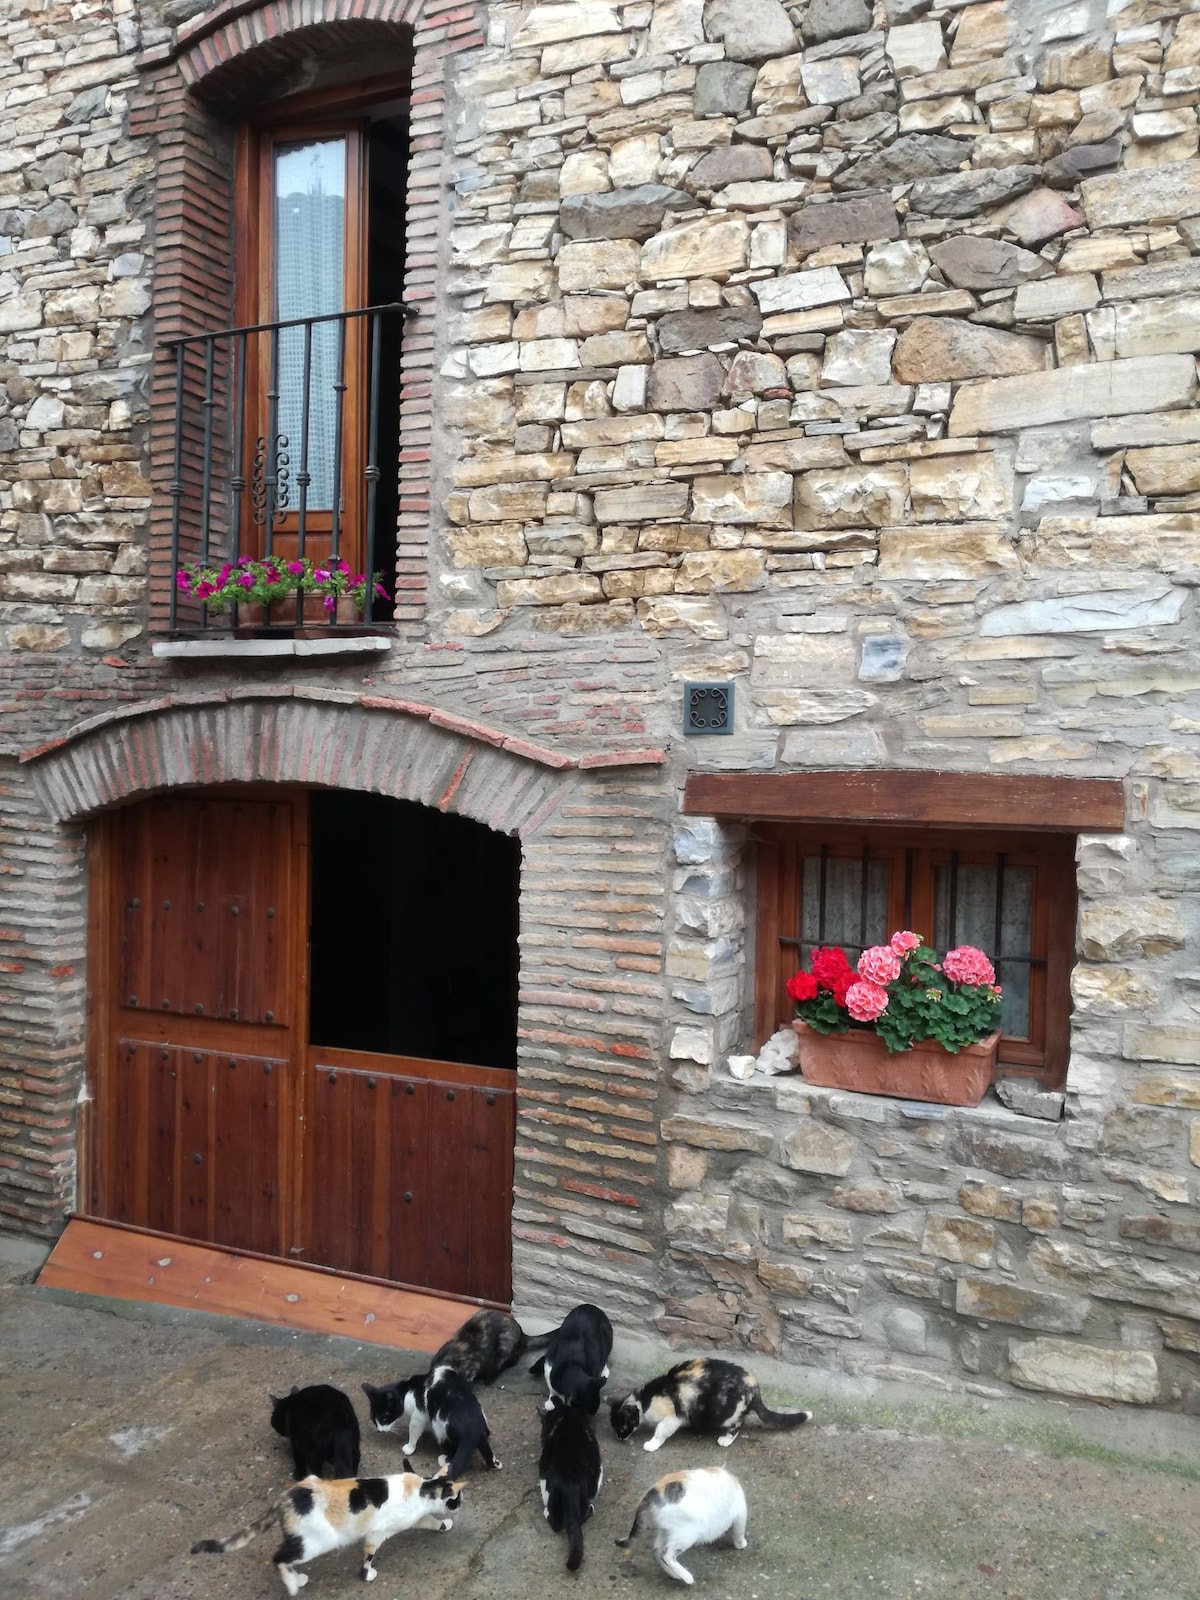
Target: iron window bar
x=805 y=946
x=214 y=501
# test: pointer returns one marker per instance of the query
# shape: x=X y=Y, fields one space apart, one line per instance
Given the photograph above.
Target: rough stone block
x=1097 y=389
x=1061 y=1366
x=812 y=1147
x=992 y=1301
x=932 y=349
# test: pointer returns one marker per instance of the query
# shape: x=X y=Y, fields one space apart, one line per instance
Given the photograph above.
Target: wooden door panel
x=197 y=1141
x=205 y=895
x=448 y=1183
x=162 y=1087
x=408 y=1193
x=328 y=1237
x=411 y=1178
x=490 y=1174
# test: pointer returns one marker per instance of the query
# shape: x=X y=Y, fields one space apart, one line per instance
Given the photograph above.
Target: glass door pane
x=309 y=259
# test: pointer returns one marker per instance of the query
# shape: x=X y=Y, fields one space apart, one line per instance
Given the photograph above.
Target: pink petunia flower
x=968 y=965
x=329 y=602
x=880 y=964
x=866 y=1001
x=296 y=568
x=903 y=942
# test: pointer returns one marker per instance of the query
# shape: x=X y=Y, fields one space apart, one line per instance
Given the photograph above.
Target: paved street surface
x=125 y=1437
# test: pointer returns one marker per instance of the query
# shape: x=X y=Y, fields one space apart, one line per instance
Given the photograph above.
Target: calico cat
x=706 y=1395
x=320 y=1515
x=569 y=1474
x=486 y=1345
x=687 y=1508
x=442 y=1400
x=576 y=1360
x=320 y=1425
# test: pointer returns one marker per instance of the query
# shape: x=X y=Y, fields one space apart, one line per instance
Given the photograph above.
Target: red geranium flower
x=829 y=964
x=802 y=986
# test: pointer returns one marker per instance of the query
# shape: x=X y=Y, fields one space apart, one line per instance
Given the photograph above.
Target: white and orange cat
x=699 y=1506
x=319 y=1515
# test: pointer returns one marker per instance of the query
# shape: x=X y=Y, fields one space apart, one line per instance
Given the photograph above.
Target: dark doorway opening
x=413 y=938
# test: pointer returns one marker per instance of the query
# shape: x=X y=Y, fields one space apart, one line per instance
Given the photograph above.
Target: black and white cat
x=316 y=1516
x=687 y=1508
x=321 y=1426
x=486 y=1345
x=441 y=1400
x=569 y=1474
x=576 y=1360
x=706 y=1395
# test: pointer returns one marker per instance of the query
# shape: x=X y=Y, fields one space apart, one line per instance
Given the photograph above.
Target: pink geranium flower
x=865 y=1001
x=880 y=964
x=968 y=965
x=903 y=942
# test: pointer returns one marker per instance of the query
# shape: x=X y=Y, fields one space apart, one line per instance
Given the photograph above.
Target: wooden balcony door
x=214 y=1117
x=303 y=254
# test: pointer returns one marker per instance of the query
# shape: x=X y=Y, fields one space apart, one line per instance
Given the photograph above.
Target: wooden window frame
x=255 y=279
x=780 y=851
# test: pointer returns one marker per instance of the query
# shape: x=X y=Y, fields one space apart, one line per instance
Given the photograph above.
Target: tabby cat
x=569 y=1474
x=686 y=1508
x=319 y=1515
x=320 y=1425
x=486 y=1345
x=441 y=1400
x=707 y=1395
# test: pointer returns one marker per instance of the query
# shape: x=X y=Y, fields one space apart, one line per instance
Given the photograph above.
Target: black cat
x=570 y=1474
x=442 y=1400
x=576 y=1360
x=321 y=1426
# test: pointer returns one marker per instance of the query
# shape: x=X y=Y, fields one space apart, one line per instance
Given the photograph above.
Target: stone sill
x=252 y=649
x=790 y=1090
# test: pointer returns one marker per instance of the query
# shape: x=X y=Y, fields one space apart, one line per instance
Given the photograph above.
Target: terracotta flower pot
x=860 y=1060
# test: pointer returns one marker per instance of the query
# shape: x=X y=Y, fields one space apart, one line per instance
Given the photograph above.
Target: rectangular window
x=1012 y=895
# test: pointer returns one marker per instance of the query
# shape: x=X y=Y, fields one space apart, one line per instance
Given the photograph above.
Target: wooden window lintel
x=1028 y=803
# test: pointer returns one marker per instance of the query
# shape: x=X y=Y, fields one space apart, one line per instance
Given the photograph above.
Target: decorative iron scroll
x=258 y=479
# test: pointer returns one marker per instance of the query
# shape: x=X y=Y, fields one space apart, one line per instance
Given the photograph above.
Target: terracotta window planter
x=860 y=1060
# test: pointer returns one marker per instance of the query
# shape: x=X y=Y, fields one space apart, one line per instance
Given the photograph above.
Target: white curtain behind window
x=975 y=923
x=310 y=211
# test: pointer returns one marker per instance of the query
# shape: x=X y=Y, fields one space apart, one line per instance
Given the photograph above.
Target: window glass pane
x=310 y=210
x=847 y=920
x=975 y=923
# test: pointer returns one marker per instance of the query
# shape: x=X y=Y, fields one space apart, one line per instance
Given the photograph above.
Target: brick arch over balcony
x=193 y=92
x=324 y=739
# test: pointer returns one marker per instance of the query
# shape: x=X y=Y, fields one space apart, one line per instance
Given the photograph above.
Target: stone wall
x=845 y=354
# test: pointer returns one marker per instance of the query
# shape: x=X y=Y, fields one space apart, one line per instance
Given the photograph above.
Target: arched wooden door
x=216 y=1119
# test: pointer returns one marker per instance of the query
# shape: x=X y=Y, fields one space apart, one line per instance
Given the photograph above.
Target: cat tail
x=573 y=1526
x=538 y=1341
x=235 y=1541
x=777 y=1419
x=637 y=1522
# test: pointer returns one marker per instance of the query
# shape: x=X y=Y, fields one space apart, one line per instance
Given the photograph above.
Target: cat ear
x=295 y=1389
x=369 y=1389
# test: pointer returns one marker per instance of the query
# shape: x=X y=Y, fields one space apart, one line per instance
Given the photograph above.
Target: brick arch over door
x=334 y=743
x=192 y=95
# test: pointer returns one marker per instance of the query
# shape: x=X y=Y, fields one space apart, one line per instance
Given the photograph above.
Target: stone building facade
x=843 y=356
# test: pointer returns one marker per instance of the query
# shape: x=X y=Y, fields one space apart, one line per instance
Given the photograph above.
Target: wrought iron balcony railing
x=282 y=433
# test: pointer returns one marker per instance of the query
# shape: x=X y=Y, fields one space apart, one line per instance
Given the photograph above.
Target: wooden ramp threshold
x=102 y=1258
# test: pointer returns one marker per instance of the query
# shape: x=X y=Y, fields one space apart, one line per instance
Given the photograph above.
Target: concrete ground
x=126 y=1433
